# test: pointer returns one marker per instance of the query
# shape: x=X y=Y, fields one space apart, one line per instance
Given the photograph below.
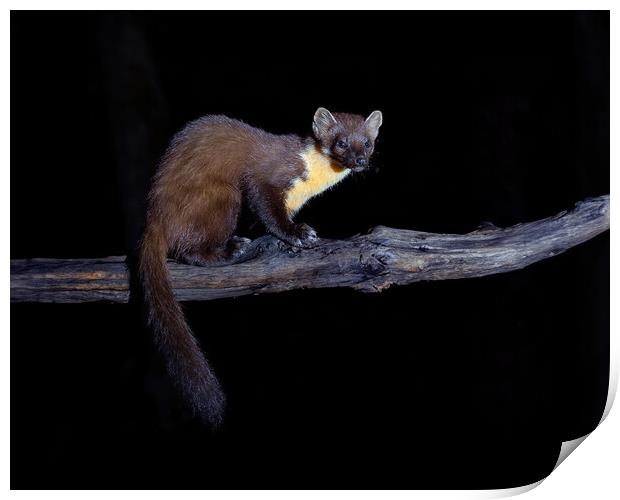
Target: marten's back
x=218 y=147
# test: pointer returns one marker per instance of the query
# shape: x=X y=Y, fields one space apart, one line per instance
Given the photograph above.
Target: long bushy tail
x=185 y=362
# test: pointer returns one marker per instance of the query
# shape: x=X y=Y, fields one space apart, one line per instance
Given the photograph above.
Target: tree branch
x=370 y=262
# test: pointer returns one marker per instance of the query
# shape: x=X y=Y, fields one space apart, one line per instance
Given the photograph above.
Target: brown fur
x=210 y=166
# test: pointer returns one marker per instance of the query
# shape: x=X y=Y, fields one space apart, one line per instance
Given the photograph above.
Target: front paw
x=304 y=236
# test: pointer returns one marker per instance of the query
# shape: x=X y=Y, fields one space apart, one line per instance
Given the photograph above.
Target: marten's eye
x=341 y=144
x=368 y=144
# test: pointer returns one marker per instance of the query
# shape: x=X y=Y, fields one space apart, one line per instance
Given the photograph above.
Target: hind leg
x=213 y=227
x=203 y=257
x=234 y=248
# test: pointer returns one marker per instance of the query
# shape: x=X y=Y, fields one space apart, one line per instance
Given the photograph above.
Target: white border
x=309 y=5
x=592 y=472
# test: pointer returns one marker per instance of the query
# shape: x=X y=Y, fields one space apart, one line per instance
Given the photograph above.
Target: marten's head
x=348 y=139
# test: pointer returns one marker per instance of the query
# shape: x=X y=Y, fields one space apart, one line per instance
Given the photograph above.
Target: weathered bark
x=370 y=262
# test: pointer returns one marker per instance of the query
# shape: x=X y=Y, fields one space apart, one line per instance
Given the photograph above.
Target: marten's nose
x=361 y=161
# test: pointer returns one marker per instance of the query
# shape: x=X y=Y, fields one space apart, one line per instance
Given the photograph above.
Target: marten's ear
x=323 y=121
x=373 y=122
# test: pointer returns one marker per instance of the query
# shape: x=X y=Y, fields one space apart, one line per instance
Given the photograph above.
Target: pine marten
x=211 y=165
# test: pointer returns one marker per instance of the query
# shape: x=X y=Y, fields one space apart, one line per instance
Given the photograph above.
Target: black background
x=500 y=117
